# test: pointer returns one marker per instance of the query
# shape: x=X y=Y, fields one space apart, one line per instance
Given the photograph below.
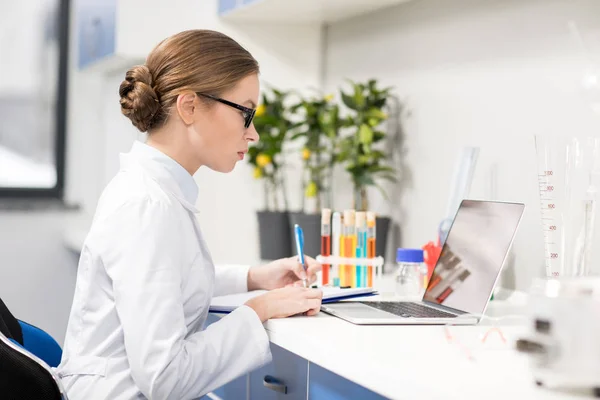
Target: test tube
x=361 y=248
x=370 y=244
x=336 y=232
x=349 y=247
x=325 y=242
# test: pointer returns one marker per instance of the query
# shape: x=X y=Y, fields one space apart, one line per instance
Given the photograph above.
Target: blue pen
x=300 y=249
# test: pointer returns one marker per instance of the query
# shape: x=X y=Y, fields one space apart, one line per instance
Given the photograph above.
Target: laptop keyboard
x=407 y=310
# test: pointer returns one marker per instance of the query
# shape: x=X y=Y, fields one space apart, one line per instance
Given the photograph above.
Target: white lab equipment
x=569 y=185
x=590 y=80
x=461 y=185
x=563 y=342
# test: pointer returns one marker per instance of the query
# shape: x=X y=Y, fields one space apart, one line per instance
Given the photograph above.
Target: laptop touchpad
x=358 y=310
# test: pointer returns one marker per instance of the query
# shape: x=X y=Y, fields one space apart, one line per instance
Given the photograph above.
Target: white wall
x=37 y=272
x=470 y=72
x=98 y=131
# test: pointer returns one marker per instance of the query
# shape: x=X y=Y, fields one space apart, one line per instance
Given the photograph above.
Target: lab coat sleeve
x=231 y=279
x=146 y=269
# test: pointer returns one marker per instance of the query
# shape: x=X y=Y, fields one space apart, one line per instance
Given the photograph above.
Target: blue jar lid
x=409 y=255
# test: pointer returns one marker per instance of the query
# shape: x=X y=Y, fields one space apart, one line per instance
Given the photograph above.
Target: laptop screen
x=473 y=255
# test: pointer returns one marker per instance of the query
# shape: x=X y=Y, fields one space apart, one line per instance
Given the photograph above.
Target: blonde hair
x=201 y=61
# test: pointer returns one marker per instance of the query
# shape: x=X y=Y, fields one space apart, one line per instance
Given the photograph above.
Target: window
x=33 y=98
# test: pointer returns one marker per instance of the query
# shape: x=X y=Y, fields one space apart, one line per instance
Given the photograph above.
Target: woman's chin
x=223 y=168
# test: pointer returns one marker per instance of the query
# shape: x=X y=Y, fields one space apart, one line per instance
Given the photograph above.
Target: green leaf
x=381 y=168
x=297 y=136
x=365 y=134
x=390 y=178
x=380 y=103
x=347 y=122
x=366 y=149
x=349 y=101
x=366 y=180
x=377 y=136
x=364 y=159
x=376 y=155
x=376 y=113
x=359 y=97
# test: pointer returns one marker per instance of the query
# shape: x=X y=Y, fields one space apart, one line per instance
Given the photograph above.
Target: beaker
x=569 y=185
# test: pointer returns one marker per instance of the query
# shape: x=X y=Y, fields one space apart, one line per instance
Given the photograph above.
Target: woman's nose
x=252 y=134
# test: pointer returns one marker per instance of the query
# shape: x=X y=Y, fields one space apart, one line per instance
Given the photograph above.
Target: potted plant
x=318 y=128
x=272 y=121
x=361 y=150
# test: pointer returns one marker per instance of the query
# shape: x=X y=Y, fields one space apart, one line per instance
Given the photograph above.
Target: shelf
x=299 y=11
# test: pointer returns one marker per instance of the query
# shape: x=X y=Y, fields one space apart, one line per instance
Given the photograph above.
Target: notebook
x=226 y=304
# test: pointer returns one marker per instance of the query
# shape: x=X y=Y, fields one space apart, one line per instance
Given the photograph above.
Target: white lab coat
x=144 y=285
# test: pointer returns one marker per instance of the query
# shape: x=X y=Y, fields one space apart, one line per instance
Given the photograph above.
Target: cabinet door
x=324 y=384
x=284 y=378
x=234 y=390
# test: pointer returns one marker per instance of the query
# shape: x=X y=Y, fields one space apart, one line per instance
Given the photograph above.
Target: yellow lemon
x=305 y=154
x=257 y=173
x=263 y=160
x=311 y=190
x=260 y=110
x=329 y=97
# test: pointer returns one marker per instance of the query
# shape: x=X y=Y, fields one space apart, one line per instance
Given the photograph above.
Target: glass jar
x=409 y=273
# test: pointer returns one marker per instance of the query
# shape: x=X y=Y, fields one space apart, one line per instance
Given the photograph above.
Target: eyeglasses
x=477 y=341
x=247 y=113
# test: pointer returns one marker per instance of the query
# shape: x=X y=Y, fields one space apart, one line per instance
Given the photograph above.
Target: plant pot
x=311 y=226
x=382 y=228
x=274 y=235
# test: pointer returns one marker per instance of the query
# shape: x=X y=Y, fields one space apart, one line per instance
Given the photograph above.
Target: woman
x=145 y=277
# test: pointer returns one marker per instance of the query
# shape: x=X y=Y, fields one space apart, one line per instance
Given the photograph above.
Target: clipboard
x=228 y=303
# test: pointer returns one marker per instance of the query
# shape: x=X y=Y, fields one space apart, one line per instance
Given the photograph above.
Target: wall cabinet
x=96 y=31
x=299 y=11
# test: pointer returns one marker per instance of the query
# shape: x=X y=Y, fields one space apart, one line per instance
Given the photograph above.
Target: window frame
x=60 y=120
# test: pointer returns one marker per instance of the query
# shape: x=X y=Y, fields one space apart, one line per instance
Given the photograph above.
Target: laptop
x=464 y=277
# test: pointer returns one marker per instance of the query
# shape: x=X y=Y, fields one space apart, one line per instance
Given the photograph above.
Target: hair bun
x=139 y=101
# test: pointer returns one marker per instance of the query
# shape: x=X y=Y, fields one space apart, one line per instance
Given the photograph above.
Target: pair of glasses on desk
x=492 y=334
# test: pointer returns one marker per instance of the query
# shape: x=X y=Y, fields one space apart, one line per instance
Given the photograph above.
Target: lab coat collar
x=167 y=172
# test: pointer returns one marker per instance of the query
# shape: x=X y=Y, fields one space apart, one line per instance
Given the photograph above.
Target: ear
x=186 y=105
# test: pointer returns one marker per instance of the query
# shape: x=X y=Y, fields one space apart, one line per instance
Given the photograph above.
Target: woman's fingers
x=313 y=311
x=312 y=267
x=314 y=294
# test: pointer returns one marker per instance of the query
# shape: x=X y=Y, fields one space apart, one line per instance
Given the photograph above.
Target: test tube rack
x=375 y=262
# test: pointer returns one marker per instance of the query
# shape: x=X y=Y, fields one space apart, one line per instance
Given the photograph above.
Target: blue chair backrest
x=41 y=344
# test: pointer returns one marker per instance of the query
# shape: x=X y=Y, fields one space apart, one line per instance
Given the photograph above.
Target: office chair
x=9 y=325
x=24 y=376
x=32 y=338
x=41 y=344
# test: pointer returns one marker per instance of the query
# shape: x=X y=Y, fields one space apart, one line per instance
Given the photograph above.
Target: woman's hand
x=285 y=302
x=281 y=273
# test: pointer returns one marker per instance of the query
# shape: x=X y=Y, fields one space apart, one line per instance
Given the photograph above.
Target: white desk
x=405 y=362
